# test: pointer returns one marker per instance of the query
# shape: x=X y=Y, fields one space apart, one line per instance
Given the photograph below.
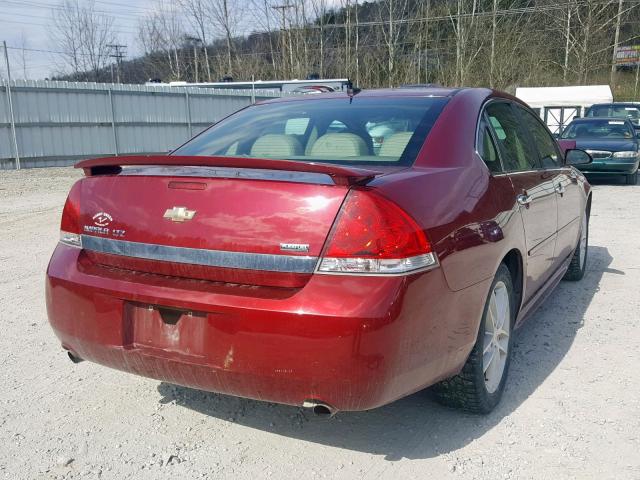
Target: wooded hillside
x=498 y=43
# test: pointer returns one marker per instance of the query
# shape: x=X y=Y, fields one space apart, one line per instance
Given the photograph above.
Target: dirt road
x=571 y=409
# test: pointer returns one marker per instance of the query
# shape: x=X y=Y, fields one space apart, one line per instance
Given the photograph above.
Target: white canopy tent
x=558 y=105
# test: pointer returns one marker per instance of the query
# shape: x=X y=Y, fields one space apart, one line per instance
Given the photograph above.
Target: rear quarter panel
x=470 y=216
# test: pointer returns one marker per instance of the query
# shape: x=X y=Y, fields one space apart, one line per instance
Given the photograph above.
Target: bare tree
x=83 y=35
x=225 y=16
x=320 y=10
x=162 y=31
x=592 y=18
x=263 y=16
x=198 y=16
x=468 y=41
x=615 y=42
x=391 y=11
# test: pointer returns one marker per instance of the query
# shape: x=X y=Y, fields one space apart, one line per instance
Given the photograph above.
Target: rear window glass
x=361 y=131
x=598 y=129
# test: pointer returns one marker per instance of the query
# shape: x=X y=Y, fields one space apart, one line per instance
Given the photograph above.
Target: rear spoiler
x=340 y=174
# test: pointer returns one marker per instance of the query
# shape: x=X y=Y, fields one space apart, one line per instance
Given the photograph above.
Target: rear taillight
x=70 y=224
x=372 y=235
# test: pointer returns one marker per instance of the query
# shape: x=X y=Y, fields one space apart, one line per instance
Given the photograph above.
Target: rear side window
x=517 y=154
x=358 y=130
x=546 y=145
x=486 y=148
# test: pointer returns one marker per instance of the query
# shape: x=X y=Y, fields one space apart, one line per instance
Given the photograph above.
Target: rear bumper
x=354 y=343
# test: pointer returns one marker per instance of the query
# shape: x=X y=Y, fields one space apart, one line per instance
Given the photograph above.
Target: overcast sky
x=27 y=23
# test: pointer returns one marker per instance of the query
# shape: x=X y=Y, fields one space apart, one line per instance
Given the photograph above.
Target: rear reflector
x=372 y=235
x=372 y=265
x=71 y=239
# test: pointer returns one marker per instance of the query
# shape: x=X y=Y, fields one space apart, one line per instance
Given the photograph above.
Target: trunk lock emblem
x=179 y=214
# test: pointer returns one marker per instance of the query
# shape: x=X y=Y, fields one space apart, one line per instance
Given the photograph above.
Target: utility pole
x=283 y=29
x=119 y=52
x=195 y=43
x=195 y=60
x=10 y=101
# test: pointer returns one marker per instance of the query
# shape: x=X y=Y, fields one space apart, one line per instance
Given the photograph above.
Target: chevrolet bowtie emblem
x=179 y=214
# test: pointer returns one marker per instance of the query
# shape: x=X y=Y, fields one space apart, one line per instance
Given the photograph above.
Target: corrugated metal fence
x=58 y=123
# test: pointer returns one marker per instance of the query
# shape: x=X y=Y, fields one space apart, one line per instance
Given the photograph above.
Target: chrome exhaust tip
x=320 y=409
x=74 y=358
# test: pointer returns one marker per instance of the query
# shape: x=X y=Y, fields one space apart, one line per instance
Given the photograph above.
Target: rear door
x=565 y=182
x=534 y=189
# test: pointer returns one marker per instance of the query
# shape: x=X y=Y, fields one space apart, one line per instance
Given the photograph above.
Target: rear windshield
x=359 y=131
x=598 y=129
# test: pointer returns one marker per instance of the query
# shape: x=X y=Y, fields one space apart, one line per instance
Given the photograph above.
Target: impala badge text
x=294 y=247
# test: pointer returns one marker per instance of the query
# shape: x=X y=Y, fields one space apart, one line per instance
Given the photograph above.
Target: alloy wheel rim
x=496 y=337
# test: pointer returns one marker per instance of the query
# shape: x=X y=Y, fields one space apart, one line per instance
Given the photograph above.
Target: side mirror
x=577 y=157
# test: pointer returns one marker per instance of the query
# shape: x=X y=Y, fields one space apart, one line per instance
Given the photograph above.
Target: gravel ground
x=571 y=408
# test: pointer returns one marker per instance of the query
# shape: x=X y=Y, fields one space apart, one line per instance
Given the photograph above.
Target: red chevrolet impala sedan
x=280 y=256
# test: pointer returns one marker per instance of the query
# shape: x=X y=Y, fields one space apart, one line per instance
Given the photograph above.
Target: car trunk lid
x=258 y=226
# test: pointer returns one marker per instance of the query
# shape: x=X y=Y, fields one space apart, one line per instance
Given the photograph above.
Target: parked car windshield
x=601 y=128
x=358 y=130
x=617 y=111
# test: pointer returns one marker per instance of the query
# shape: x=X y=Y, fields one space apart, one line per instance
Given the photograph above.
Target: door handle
x=560 y=189
x=524 y=200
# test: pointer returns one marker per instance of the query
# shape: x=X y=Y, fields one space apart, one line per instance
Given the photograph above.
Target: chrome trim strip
x=198 y=256
x=228 y=172
x=541 y=244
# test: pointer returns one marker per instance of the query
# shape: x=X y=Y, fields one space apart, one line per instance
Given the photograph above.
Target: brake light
x=70 y=224
x=372 y=235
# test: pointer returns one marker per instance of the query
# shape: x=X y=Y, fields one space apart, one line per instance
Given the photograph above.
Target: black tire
x=632 y=179
x=468 y=390
x=578 y=265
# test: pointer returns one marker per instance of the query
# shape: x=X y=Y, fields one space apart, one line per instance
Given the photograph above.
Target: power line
x=45 y=25
x=141 y=12
x=38 y=17
x=40 y=6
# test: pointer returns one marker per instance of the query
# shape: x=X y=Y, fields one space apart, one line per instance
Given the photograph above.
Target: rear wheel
x=478 y=387
x=632 y=179
x=578 y=264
